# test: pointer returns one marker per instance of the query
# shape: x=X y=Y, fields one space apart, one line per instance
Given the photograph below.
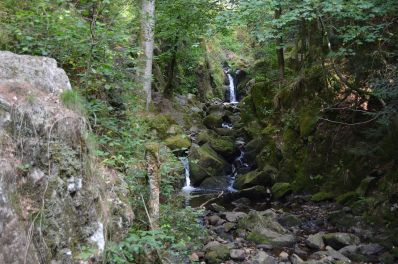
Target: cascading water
x=232 y=93
x=188 y=187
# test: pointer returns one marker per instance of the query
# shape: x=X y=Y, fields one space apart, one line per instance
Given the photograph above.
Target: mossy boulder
x=223 y=145
x=347 y=198
x=365 y=185
x=178 y=142
x=263 y=177
x=322 y=196
x=281 y=189
x=205 y=162
x=217 y=254
x=161 y=123
x=213 y=120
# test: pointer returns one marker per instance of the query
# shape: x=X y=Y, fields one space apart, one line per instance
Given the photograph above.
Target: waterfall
x=232 y=94
x=187 y=187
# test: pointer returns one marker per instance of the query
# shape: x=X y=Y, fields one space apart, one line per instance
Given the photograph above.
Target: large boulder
x=205 y=162
x=223 y=145
x=178 y=142
x=39 y=72
x=263 y=228
x=340 y=240
x=48 y=170
x=264 y=177
x=213 y=120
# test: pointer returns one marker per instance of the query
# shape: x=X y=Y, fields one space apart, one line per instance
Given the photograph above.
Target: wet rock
x=237 y=254
x=265 y=246
x=205 y=162
x=263 y=258
x=263 y=177
x=234 y=216
x=281 y=189
x=316 y=241
x=339 y=240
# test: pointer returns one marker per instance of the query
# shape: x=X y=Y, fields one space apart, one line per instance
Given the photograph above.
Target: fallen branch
x=211 y=200
x=350 y=124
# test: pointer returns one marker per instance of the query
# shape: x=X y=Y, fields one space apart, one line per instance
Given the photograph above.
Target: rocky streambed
x=252 y=218
x=300 y=232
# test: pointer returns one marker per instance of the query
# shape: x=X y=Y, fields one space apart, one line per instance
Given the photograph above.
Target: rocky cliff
x=56 y=203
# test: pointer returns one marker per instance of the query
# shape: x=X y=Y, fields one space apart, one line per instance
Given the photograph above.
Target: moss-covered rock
x=223 y=145
x=161 y=123
x=205 y=162
x=178 y=142
x=365 y=185
x=217 y=254
x=280 y=189
x=308 y=118
x=347 y=198
x=322 y=196
x=213 y=120
x=263 y=177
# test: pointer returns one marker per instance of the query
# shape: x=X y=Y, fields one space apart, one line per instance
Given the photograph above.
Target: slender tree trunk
x=153 y=171
x=279 y=48
x=168 y=89
x=147 y=33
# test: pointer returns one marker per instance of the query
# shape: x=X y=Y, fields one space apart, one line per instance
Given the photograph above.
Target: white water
x=232 y=94
x=188 y=187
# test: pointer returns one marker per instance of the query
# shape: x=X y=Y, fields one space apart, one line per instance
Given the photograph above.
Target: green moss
x=213 y=120
x=322 y=196
x=280 y=189
x=161 y=123
x=178 y=142
x=308 y=119
x=264 y=177
x=258 y=238
x=347 y=198
x=365 y=185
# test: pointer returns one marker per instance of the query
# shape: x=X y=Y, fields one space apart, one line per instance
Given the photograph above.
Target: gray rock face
x=316 y=241
x=339 y=240
x=50 y=176
x=263 y=258
x=237 y=254
x=41 y=72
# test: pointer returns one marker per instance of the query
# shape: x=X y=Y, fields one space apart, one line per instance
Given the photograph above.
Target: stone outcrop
x=54 y=198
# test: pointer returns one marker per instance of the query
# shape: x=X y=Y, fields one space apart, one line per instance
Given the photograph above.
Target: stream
x=245 y=225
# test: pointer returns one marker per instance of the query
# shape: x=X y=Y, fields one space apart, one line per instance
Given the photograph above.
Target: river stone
x=283 y=256
x=234 y=216
x=217 y=254
x=178 y=142
x=213 y=219
x=229 y=226
x=262 y=258
x=289 y=220
x=205 y=162
x=316 y=241
x=212 y=244
x=340 y=240
x=370 y=249
x=237 y=254
x=329 y=256
x=217 y=208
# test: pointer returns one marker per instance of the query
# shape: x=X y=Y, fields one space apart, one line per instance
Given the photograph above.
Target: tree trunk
x=168 y=89
x=147 y=34
x=279 y=48
x=153 y=171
